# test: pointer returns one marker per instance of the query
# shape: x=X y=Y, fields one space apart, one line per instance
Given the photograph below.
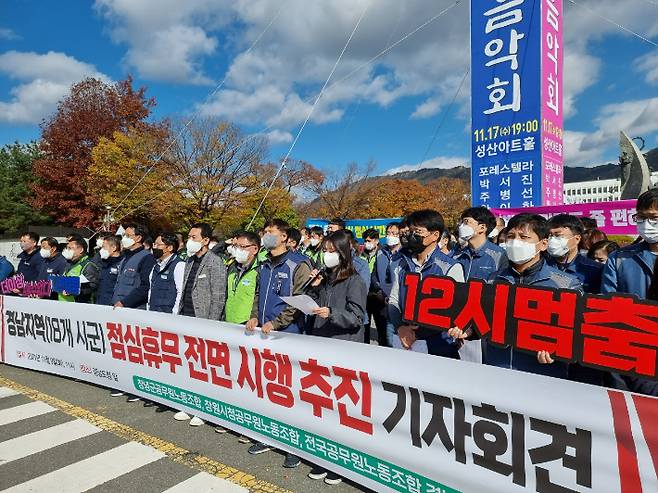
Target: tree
x=394 y=197
x=450 y=197
x=93 y=109
x=125 y=173
x=16 y=180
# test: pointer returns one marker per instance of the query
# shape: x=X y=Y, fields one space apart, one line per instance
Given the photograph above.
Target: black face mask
x=404 y=241
x=415 y=243
x=158 y=253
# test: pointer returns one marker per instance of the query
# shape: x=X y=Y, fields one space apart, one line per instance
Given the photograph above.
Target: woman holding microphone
x=341 y=295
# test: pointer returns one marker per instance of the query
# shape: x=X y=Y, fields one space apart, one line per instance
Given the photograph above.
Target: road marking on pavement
x=7 y=392
x=24 y=411
x=32 y=443
x=89 y=473
x=171 y=450
x=206 y=483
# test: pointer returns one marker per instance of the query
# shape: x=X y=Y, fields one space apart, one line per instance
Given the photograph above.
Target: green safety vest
x=240 y=294
x=261 y=255
x=74 y=271
x=371 y=261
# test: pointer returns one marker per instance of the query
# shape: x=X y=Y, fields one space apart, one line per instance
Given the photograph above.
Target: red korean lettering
x=545 y=320
x=196 y=353
x=132 y=337
x=411 y=282
x=170 y=346
x=317 y=375
x=346 y=388
x=151 y=346
x=473 y=313
x=620 y=333
x=255 y=381
x=219 y=356
x=115 y=336
x=277 y=371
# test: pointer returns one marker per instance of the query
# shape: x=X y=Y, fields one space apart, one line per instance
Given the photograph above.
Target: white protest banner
x=389 y=419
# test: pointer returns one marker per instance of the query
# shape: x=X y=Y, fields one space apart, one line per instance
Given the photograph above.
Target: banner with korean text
x=392 y=420
x=613 y=218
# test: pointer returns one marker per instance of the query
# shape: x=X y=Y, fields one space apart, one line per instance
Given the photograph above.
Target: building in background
x=585 y=192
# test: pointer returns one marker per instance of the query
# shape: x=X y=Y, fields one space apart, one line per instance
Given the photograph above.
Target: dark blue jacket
x=540 y=275
x=481 y=263
x=6 y=268
x=109 y=271
x=629 y=270
x=362 y=268
x=275 y=281
x=163 y=287
x=53 y=266
x=438 y=264
x=132 y=287
x=585 y=269
x=382 y=275
x=30 y=265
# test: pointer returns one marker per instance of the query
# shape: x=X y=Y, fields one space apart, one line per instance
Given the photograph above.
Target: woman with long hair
x=341 y=296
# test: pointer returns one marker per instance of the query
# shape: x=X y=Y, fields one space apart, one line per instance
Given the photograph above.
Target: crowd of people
x=242 y=279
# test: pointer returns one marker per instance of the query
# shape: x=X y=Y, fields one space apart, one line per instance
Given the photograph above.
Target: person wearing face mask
x=479 y=256
x=563 y=240
x=282 y=273
x=314 y=250
x=242 y=279
x=306 y=240
x=132 y=286
x=54 y=263
x=370 y=247
x=422 y=256
x=166 y=287
x=110 y=255
x=204 y=286
x=631 y=270
x=381 y=282
x=30 y=261
x=500 y=225
x=341 y=296
x=80 y=266
x=527 y=239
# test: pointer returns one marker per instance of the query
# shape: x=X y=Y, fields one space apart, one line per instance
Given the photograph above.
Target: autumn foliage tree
x=93 y=109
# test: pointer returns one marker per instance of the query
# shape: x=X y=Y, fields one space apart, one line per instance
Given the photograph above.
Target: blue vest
x=277 y=281
x=438 y=264
x=163 y=287
x=107 y=279
x=481 y=263
x=129 y=278
x=30 y=265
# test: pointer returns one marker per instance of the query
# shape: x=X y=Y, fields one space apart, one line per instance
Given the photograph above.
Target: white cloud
x=43 y=79
x=8 y=34
x=442 y=162
x=638 y=117
x=167 y=39
x=279 y=137
x=648 y=64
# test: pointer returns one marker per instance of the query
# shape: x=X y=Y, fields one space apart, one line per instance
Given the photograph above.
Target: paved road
x=60 y=435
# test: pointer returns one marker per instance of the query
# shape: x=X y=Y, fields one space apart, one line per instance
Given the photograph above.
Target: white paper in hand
x=302 y=302
x=83 y=279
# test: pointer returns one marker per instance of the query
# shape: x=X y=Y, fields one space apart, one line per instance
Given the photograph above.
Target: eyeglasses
x=642 y=217
x=244 y=246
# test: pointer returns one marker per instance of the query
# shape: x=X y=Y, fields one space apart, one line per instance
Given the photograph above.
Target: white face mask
x=127 y=242
x=370 y=246
x=99 y=243
x=212 y=245
x=648 y=230
x=519 y=252
x=331 y=259
x=466 y=232
x=241 y=256
x=269 y=241
x=104 y=254
x=558 y=246
x=45 y=253
x=493 y=234
x=392 y=240
x=315 y=242
x=193 y=247
x=231 y=250
x=68 y=254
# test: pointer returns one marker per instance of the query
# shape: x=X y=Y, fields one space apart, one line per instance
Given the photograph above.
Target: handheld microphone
x=322 y=272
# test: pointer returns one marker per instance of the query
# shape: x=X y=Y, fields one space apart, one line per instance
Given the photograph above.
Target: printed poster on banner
x=391 y=420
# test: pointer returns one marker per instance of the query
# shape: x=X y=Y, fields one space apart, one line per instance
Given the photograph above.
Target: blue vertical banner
x=506 y=169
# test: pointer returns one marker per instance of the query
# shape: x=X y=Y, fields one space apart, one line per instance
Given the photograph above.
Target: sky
x=260 y=64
